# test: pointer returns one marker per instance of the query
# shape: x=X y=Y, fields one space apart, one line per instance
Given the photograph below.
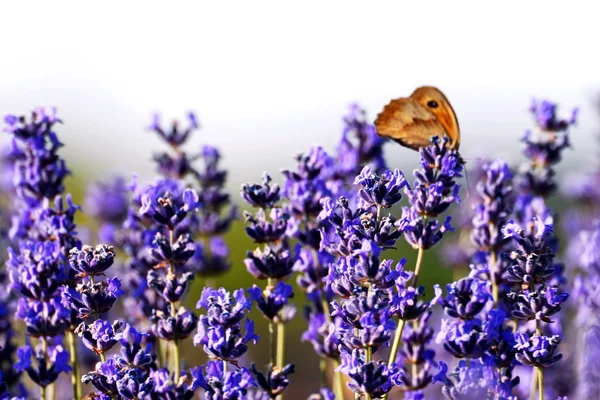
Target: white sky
x=268 y=79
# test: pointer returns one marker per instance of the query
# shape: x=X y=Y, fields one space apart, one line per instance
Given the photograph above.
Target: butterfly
x=412 y=121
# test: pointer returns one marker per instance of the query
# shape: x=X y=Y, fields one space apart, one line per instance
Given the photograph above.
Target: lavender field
x=338 y=277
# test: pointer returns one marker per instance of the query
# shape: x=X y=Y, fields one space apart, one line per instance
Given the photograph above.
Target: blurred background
x=270 y=79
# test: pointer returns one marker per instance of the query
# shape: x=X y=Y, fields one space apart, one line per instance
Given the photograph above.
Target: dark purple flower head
x=223 y=343
x=275 y=380
x=373 y=378
x=170 y=288
x=375 y=332
x=175 y=136
x=537 y=305
x=43 y=318
x=37 y=271
x=272 y=300
x=47 y=370
x=261 y=196
x=169 y=327
x=222 y=308
x=92 y=298
x=178 y=253
x=134 y=384
x=220 y=385
x=262 y=230
x=104 y=377
x=464 y=339
x=219 y=331
x=531 y=262
x=383 y=190
x=466 y=298
x=538 y=351
x=423 y=233
x=276 y=262
x=100 y=336
x=92 y=261
x=167 y=203
x=132 y=354
x=318 y=332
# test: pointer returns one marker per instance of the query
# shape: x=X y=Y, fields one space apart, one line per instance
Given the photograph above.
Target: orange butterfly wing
x=407 y=122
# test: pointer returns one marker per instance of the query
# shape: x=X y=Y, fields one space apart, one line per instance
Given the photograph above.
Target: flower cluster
x=491 y=213
x=331 y=226
x=365 y=282
x=544 y=147
x=45 y=230
x=434 y=190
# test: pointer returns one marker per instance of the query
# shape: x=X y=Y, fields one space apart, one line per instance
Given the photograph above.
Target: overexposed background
x=268 y=79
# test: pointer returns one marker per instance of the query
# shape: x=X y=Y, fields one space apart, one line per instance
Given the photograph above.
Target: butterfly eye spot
x=432 y=104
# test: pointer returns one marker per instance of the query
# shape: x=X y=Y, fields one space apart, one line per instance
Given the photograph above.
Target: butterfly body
x=412 y=121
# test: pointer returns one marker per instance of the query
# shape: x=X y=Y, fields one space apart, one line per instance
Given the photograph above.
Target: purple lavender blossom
x=218 y=384
x=39 y=172
x=45 y=371
x=90 y=261
x=261 y=196
x=544 y=148
x=220 y=331
x=434 y=190
x=274 y=381
x=373 y=378
x=100 y=336
x=272 y=300
x=538 y=351
x=107 y=202
x=359 y=144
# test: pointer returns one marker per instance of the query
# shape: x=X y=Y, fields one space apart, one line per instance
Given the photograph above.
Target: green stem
x=397 y=340
x=541 y=382
x=537 y=379
x=75 y=381
x=417 y=267
x=225 y=366
x=533 y=387
x=338 y=384
x=323 y=369
x=176 y=359
x=272 y=343
x=45 y=349
x=280 y=343
x=368 y=359
x=495 y=291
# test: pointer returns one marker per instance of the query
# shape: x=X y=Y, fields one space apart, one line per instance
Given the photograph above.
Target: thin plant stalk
x=338 y=384
x=45 y=349
x=280 y=343
x=368 y=359
x=176 y=360
x=540 y=382
x=397 y=340
x=75 y=381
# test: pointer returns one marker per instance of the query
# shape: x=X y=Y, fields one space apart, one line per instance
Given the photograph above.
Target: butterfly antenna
x=467 y=182
x=464 y=164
